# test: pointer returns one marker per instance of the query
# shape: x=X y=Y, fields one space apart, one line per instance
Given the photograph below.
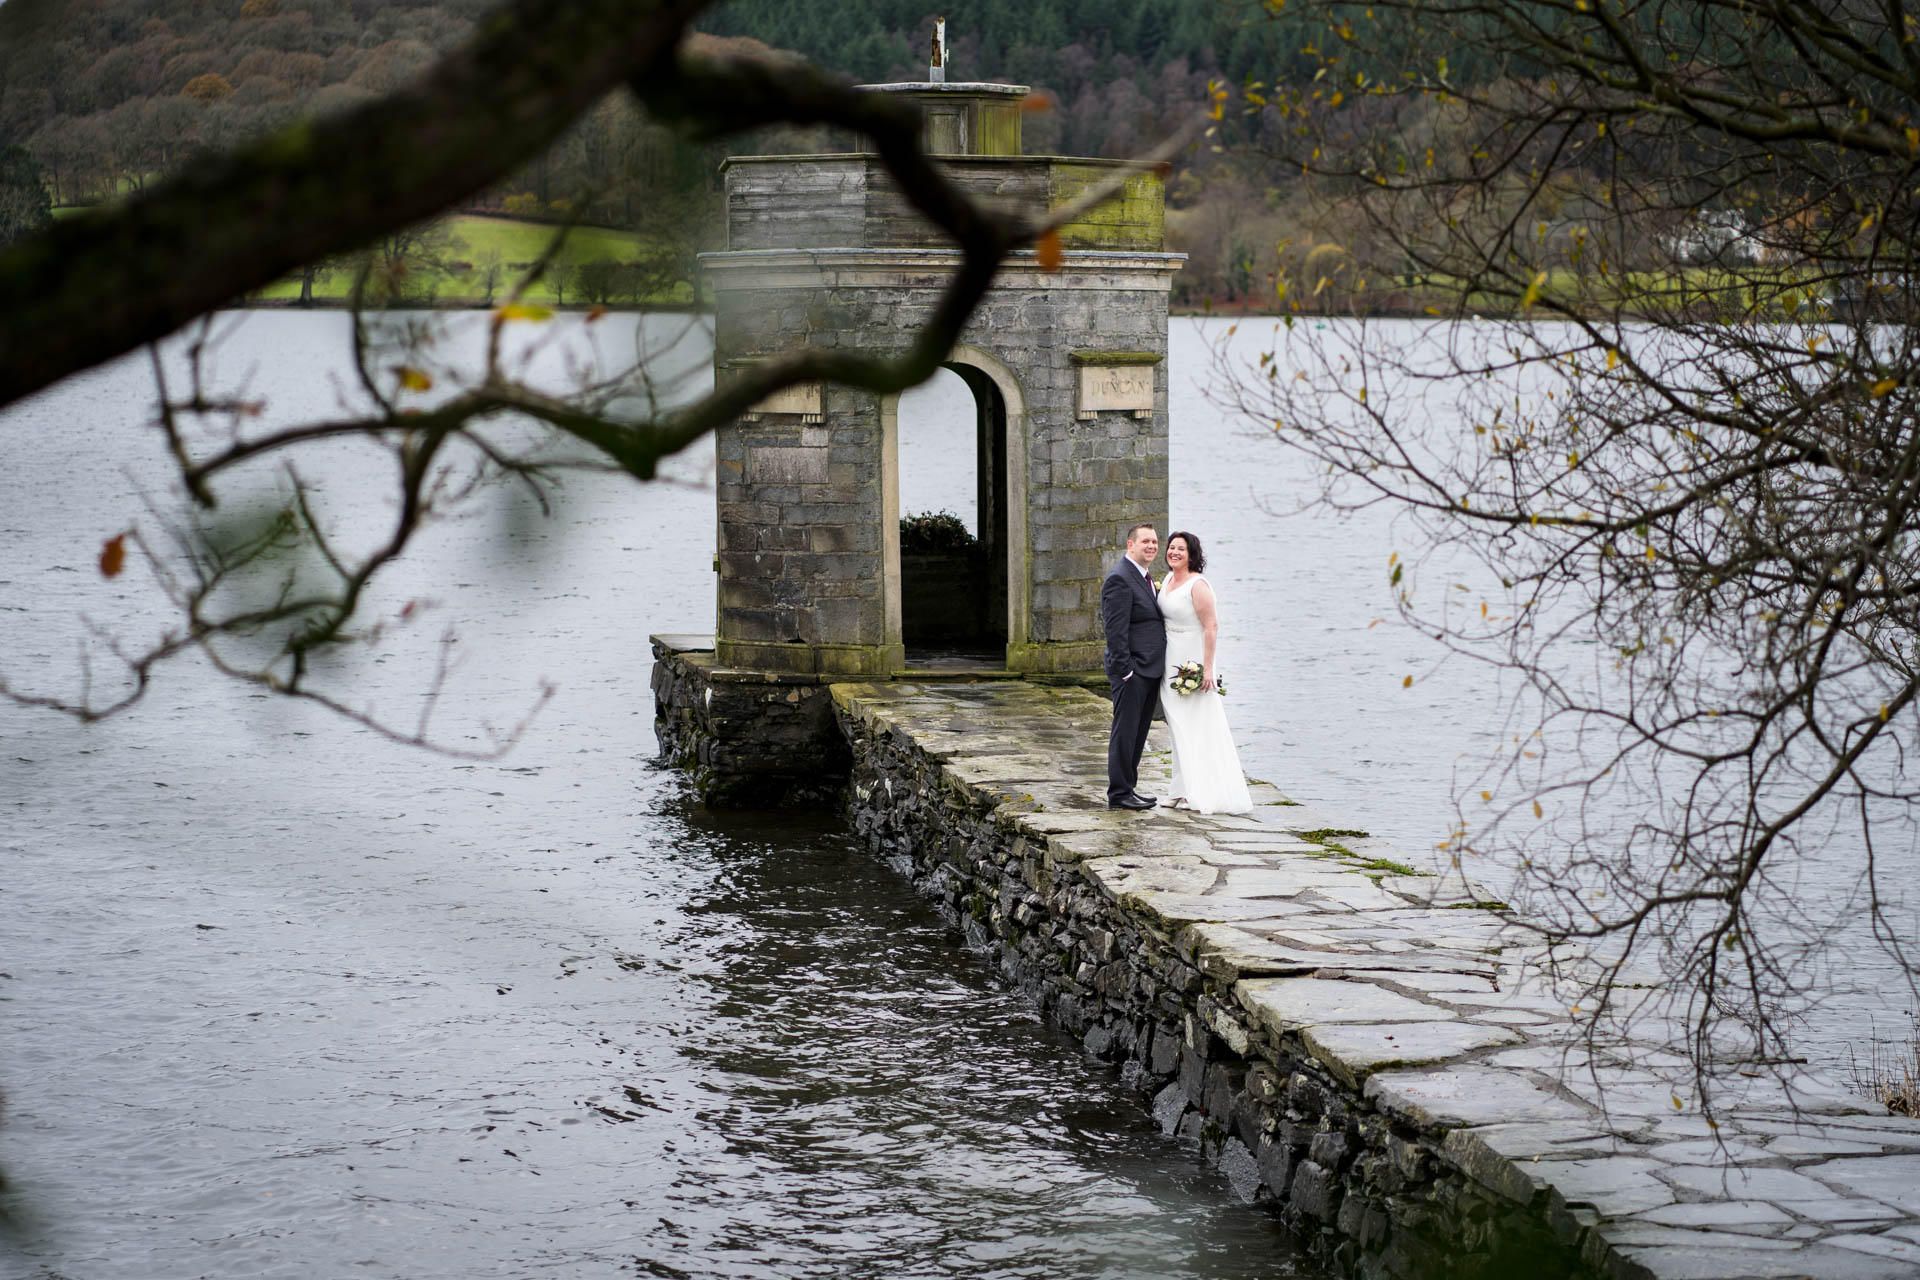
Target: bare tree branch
x=1686 y=440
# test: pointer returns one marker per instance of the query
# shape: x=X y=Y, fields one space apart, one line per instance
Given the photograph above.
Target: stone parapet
x=1363 y=1047
x=837 y=661
x=933 y=268
x=851 y=201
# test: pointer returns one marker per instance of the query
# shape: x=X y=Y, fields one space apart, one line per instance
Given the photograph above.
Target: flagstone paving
x=1407 y=990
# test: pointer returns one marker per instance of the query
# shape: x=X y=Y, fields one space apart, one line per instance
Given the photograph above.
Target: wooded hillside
x=108 y=96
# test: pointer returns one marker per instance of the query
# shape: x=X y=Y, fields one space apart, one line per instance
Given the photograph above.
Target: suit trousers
x=1133 y=704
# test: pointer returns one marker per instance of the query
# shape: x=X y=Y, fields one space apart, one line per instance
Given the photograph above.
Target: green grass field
x=1759 y=294
x=1765 y=294
x=474 y=238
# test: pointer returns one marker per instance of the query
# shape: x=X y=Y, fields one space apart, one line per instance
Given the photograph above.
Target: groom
x=1136 y=659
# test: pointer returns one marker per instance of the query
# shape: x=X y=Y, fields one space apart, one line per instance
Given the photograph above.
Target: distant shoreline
x=454 y=304
x=331 y=303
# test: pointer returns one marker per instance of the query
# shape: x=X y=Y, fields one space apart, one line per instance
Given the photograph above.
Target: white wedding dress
x=1206 y=768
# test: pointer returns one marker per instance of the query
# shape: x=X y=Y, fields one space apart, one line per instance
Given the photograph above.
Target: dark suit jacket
x=1136 y=634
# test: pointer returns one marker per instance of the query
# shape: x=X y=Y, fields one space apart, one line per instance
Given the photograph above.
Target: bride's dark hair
x=1196 y=558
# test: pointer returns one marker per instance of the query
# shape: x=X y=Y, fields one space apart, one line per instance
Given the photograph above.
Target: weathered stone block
x=1265 y=1086
x=1193 y=1077
x=1330 y=1148
x=1314 y=1192
x=1224 y=1081
x=1241 y=1170
x=828 y=538
x=848 y=621
x=1169 y=1105
x=745 y=594
x=1165 y=1059
x=1308 y=1095
x=1250 y=1120
x=1407 y=1157
x=1276 y=1159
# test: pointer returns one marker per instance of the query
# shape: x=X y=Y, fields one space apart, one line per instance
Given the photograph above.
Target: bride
x=1206 y=768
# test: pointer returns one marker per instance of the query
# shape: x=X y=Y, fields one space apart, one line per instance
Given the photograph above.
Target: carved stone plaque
x=1124 y=388
x=808 y=399
x=769 y=464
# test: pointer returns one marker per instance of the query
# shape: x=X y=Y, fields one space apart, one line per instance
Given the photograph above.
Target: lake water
x=284 y=998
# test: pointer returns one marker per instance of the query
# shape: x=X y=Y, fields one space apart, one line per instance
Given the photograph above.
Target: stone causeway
x=1370 y=1051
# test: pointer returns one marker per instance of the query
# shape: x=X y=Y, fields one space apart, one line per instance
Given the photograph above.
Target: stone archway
x=1001 y=591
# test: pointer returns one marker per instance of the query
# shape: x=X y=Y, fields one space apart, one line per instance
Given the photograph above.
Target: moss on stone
x=1389 y=866
x=1134 y=219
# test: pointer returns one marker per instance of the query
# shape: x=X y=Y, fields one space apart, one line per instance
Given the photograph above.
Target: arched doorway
x=956 y=597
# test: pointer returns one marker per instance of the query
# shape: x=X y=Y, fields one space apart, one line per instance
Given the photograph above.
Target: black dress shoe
x=1130 y=801
x=1149 y=799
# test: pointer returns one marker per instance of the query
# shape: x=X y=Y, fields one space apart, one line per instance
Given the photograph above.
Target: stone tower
x=1068 y=371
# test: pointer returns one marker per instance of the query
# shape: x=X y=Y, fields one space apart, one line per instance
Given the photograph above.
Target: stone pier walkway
x=1414 y=993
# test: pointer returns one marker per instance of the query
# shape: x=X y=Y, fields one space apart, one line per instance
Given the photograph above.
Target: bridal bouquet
x=1188 y=676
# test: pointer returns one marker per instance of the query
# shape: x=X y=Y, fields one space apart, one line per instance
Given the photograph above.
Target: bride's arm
x=1210 y=625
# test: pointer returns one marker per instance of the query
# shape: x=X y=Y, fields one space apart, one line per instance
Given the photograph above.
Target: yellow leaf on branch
x=1532 y=295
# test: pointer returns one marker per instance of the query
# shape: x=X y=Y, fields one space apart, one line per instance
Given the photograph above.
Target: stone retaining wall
x=1372 y=1193
x=751 y=739
x=1354 y=1044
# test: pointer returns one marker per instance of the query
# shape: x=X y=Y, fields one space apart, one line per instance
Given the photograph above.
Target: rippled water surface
x=282 y=998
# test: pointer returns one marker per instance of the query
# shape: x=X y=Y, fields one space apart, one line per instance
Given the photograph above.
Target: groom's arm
x=1116 y=612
